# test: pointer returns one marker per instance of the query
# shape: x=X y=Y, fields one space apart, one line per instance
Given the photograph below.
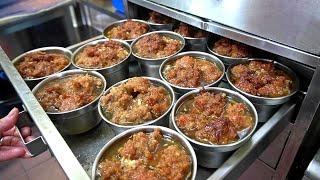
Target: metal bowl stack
x=166 y=133
x=210 y=155
x=78 y=120
x=161 y=121
x=59 y=50
x=205 y=56
x=112 y=74
x=117 y=23
x=266 y=106
x=150 y=67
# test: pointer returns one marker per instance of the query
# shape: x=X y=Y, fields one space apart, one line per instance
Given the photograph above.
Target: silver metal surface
x=313 y=169
x=160 y=27
x=258 y=41
x=59 y=50
x=196 y=44
x=281 y=21
x=112 y=74
x=11 y=19
x=214 y=153
x=267 y=100
x=160 y=121
x=58 y=146
x=150 y=67
x=118 y=23
x=205 y=56
x=78 y=120
x=37 y=145
x=225 y=59
x=166 y=132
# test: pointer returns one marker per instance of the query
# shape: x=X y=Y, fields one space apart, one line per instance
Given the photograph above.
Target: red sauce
x=128 y=30
x=261 y=79
x=191 y=72
x=213 y=119
x=146 y=156
x=230 y=48
x=40 y=64
x=135 y=102
x=102 y=55
x=69 y=93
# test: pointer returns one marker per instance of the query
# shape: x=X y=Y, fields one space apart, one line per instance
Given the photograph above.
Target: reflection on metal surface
x=29 y=8
x=269 y=44
x=313 y=169
x=293 y=23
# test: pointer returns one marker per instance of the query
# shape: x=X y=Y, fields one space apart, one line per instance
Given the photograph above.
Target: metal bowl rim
x=239 y=142
x=159 y=24
x=196 y=53
x=148 y=122
x=182 y=40
x=118 y=137
x=295 y=79
x=121 y=22
x=95 y=42
x=71 y=72
x=44 y=49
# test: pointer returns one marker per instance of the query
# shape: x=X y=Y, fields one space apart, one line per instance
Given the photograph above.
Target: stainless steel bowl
x=161 y=121
x=117 y=23
x=59 y=50
x=165 y=131
x=196 y=44
x=225 y=59
x=266 y=106
x=182 y=90
x=112 y=74
x=212 y=156
x=78 y=120
x=160 y=27
x=150 y=67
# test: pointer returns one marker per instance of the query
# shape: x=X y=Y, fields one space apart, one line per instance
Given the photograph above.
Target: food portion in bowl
x=101 y=55
x=214 y=119
x=128 y=30
x=261 y=78
x=231 y=48
x=40 y=64
x=158 y=18
x=146 y=156
x=190 y=31
x=156 y=46
x=191 y=72
x=69 y=92
x=135 y=102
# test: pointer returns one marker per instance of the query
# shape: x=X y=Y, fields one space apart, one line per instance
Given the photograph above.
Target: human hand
x=11 y=145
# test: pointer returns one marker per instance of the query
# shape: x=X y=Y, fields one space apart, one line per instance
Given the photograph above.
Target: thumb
x=11 y=153
x=9 y=121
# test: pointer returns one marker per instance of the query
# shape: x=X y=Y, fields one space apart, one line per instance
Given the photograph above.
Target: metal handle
x=35 y=146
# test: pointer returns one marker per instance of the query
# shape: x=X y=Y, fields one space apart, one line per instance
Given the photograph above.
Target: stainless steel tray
x=86 y=146
x=76 y=153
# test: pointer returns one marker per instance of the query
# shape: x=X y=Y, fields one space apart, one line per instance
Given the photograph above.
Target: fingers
x=25 y=132
x=29 y=138
x=9 y=121
x=7 y=153
x=11 y=141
